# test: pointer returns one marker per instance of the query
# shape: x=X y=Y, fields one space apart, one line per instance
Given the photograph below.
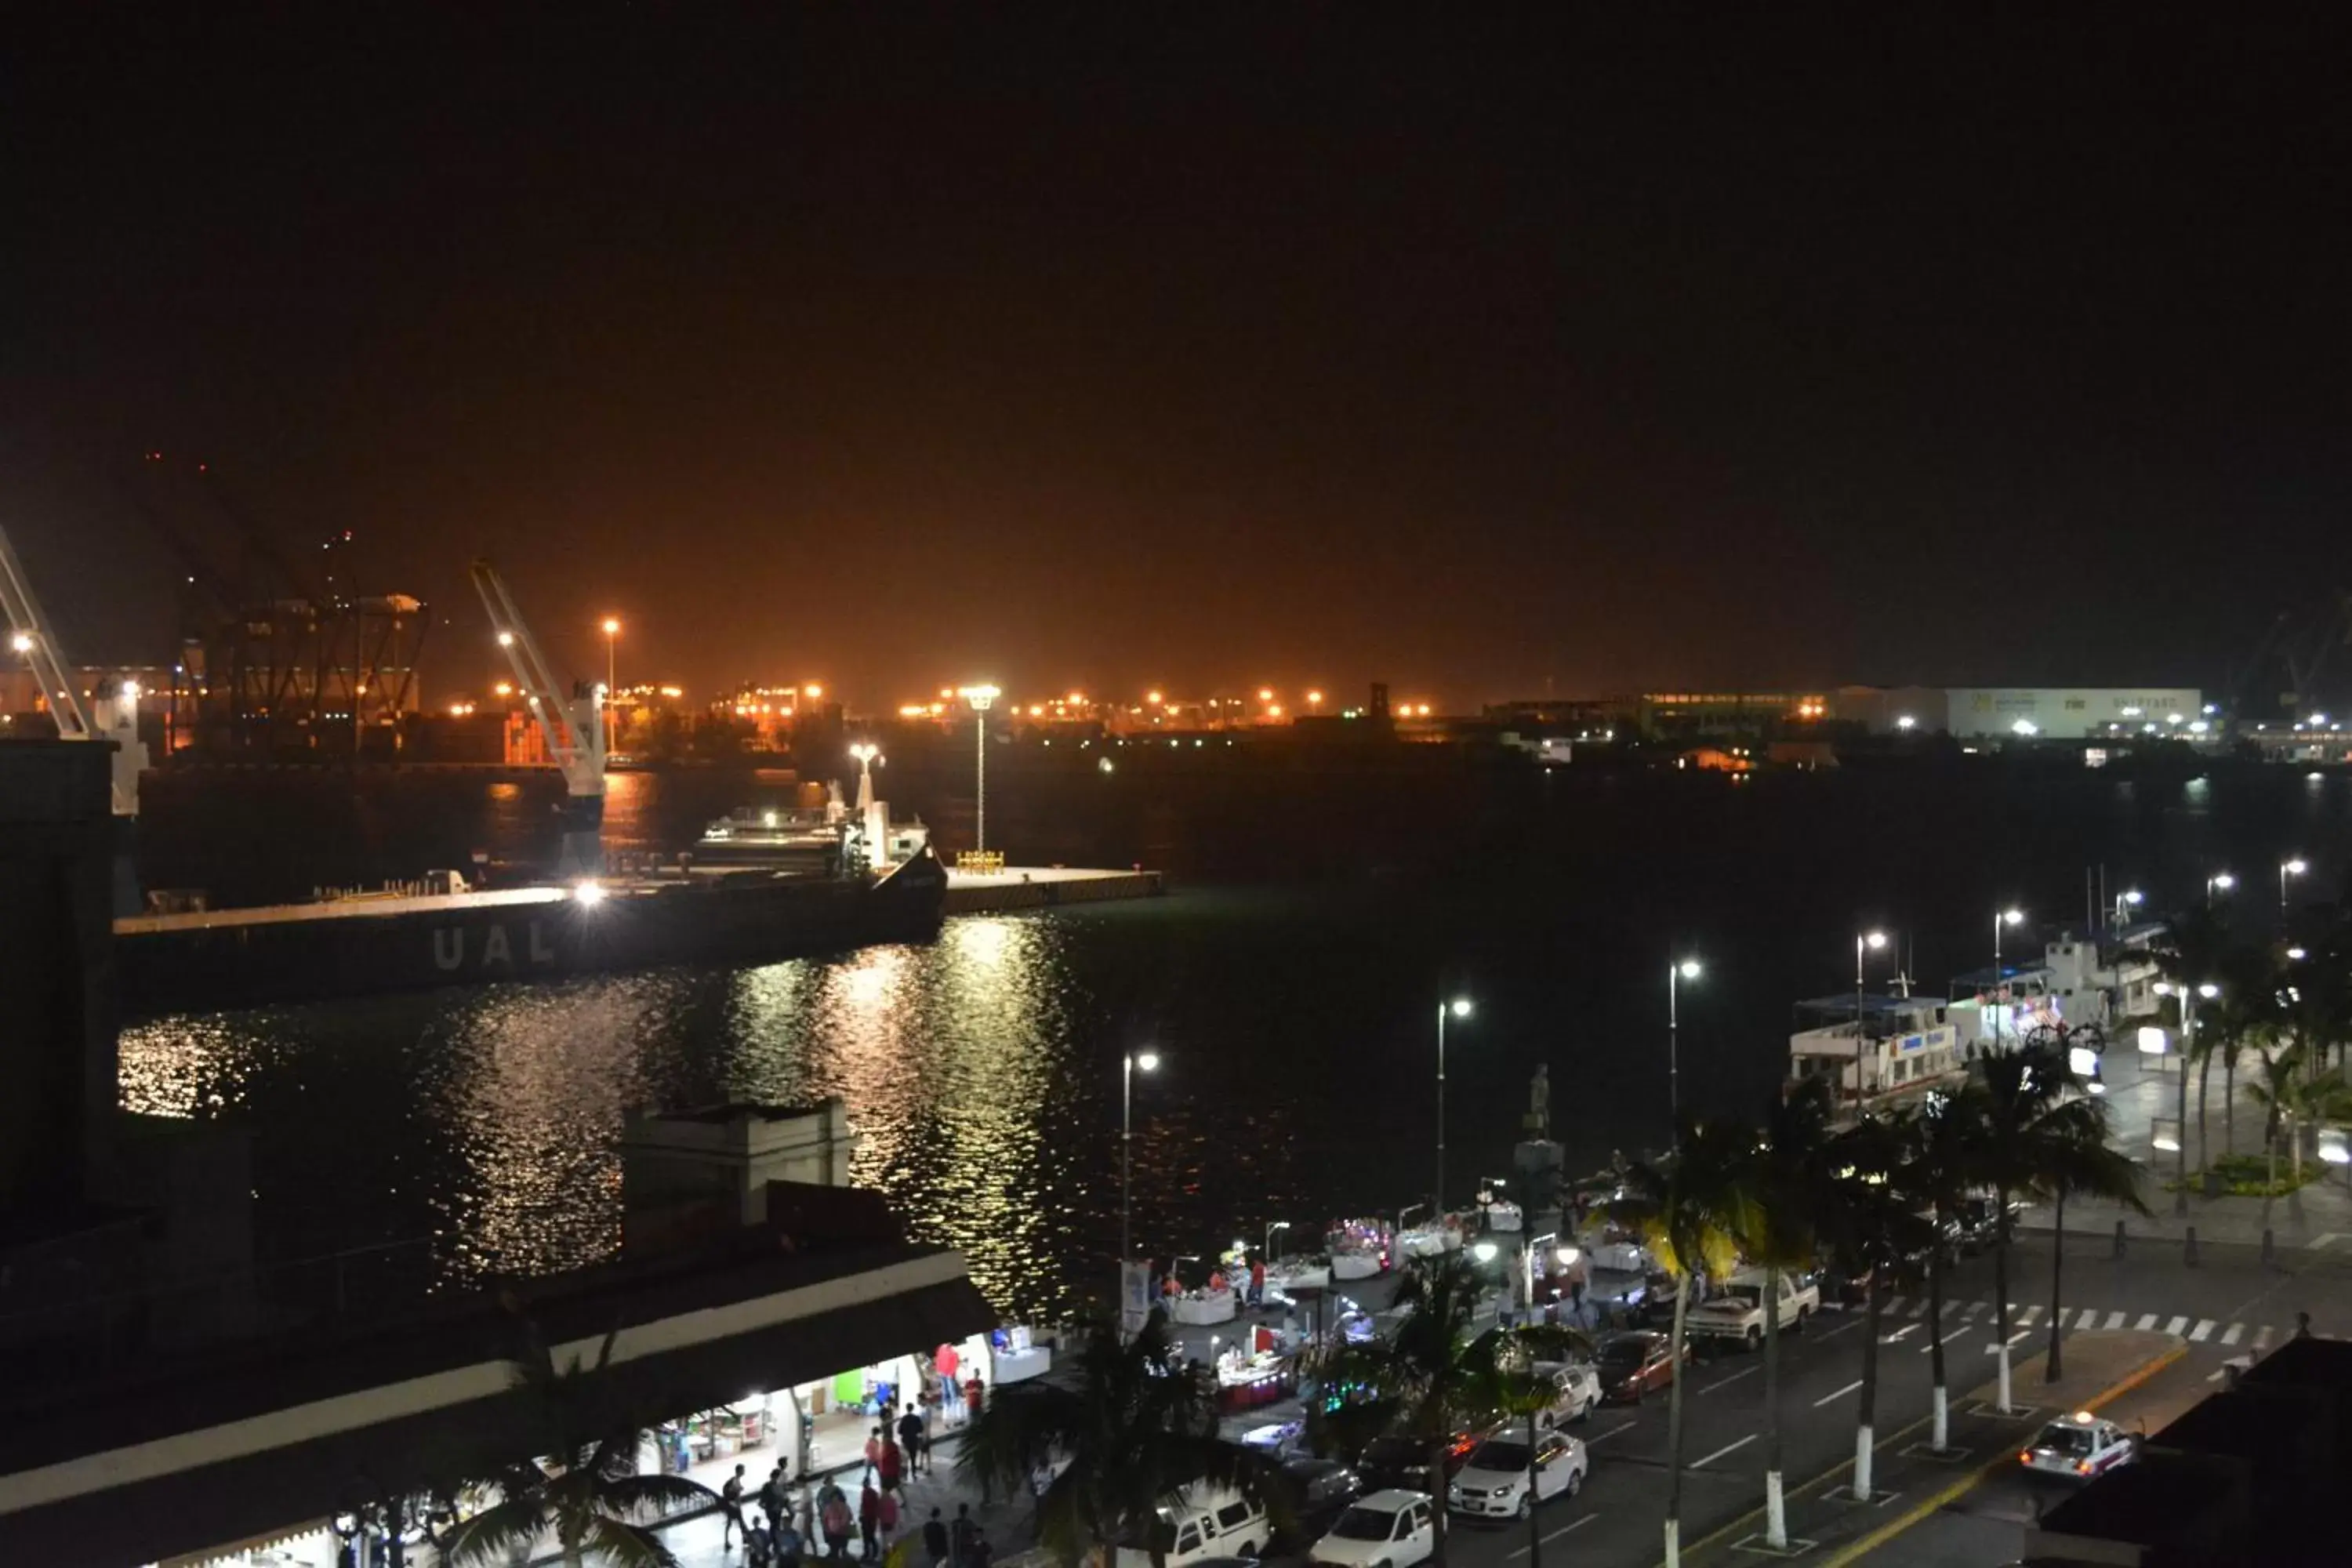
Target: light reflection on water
x=504 y=1102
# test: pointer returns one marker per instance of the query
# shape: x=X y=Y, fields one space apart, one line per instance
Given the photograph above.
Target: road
x=2229 y=1306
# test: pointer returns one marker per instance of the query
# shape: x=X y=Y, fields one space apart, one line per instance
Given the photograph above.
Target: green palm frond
x=493 y=1535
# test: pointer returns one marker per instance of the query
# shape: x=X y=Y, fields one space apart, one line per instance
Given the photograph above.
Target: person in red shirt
x=1257 y=1281
x=971 y=1393
x=892 y=1464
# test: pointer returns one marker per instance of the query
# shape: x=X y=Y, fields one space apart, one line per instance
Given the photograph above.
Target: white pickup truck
x=1737 y=1312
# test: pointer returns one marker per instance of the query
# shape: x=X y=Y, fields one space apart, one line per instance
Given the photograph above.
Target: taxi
x=2079 y=1447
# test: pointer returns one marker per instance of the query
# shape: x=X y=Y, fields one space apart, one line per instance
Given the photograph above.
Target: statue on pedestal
x=1538 y=1121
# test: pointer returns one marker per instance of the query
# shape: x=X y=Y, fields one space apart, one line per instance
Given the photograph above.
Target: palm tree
x=2191 y=952
x=2246 y=1013
x=1789 y=1184
x=1517 y=1388
x=2276 y=1095
x=1945 y=1156
x=1690 y=1211
x=2045 y=1137
x=1871 y=1230
x=582 y=1492
x=1134 y=1427
x=1429 y=1377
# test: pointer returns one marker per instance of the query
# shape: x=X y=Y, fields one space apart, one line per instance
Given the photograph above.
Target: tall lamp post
x=1676 y=970
x=1460 y=1008
x=2011 y=917
x=980 y=697
x=2189 y=995
x=1149 y=1062
x=2290 y=868
x=1863 y=943
x=2218 y=882
x=612 y=680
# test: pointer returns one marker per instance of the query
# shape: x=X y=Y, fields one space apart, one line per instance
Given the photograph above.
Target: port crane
x=112 y=715
x=572 y=727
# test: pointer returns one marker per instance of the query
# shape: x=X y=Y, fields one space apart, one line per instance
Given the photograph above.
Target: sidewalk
x=1827 y=1526
x=2140 y=1089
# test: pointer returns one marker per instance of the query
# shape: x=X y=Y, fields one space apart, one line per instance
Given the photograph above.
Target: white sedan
x=1493 y=1483
x=2079 y=1447
x=1391 y=1528
x=1579 y=1391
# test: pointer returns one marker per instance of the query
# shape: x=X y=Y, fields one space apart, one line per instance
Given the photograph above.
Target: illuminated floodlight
x=2012 y=917
x=1905 y=722
x=2154 y=1041
x=1567 y=1257
x=1689 y=968
x=2333 y=1147
x=2082 y=1060
x=2025 y=727
x=1874 y=939
x=1147 y=1061
x=506 y=639
x=22 y=642
x=1485 y=1251
x=1459 y=1006
x=589 y=892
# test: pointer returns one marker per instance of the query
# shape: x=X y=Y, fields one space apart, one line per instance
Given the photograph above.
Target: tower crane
x=572 y=726
x=113 y=714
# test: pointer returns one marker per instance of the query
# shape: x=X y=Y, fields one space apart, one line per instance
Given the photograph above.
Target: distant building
x=2045 y=712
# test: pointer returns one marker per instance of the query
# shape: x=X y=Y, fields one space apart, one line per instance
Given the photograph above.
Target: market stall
x=1359 y=1248
x=1252 y=1372
x=1197 y=1308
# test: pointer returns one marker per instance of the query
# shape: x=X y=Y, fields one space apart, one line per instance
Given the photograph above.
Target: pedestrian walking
x=1257 y=1282
x=911 y=1437
x=731 y=1501
x=935 y=1538
x=786 y=1542
x=771 y=1497
x=972 y=1394
x=837 y=1522
x=890 y=1465
x=966 y=1549
x=888 y=1517
x=758 y=1546
x=874 y=1449
x=869 y=1519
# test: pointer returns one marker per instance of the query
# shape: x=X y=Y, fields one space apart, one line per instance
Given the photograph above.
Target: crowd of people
x=897 y=1454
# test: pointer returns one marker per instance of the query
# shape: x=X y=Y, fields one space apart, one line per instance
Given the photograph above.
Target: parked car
x=1213 y=1521
x=1635 y=1363
x=1494 y=1484
x=1402 y=1463
x=2079 y=1447
x=1738 y=1312
x=1318 y=1491
x=1579 y=1391
x=1391 y=1528
x=1973 y=1228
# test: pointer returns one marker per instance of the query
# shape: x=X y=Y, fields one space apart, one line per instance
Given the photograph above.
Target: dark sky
x=1115 y=346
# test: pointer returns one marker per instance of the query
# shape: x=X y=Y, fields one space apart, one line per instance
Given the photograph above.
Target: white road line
x=1841 y=1393
x=2233 y=1333
x=2026 y=1315
x=2089 y=1319
x=1890 y=1339
x=2175 y=1326
x=2115 y=1320
x=2146 y=1321
x=1949 y=1338
x=2323 y=1238
x=1950 y=1308
x=2216 y=1375
x=2262 y=1336
x=1727 y=1448
x=1555 y=1535
x=2204 y=1327
x=1734 y=1377
x=1604 y=1437
x=1853 y=1322
x=1977 y=1307
x=1918 y=1308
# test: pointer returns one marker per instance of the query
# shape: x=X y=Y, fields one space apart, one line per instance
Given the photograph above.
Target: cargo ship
x=212 y=959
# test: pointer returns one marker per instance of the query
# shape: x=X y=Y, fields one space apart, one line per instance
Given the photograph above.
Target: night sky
x=1110 y=346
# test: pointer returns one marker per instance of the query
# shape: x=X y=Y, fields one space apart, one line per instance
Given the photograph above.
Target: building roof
x=1976 y=979
x=1874 y=1004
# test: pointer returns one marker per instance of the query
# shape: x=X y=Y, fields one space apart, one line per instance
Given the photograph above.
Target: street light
x=2291 y=868
x=2012 y=917
x=1277 y=1225
x=980 y=697
x=1863 y=943
x=612 y=682
x=1149 y=1062
x=1460 y=1008
x=2218 y=882
x=868 y=754
x=1676 y=970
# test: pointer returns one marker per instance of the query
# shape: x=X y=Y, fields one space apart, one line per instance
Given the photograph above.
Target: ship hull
x=183 y=964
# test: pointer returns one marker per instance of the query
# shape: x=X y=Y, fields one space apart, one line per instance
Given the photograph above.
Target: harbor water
x=1292 y=1010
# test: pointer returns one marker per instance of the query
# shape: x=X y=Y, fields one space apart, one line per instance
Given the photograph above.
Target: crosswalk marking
x=1918 y=1308
x=2262 y=1336
x=2175 y=1326
x=1975 y=1306
x=2204 y=1327
x=2115 y=1320
x=2229 y=1336
x=2089 y=1319
x=1952 y=1307
x=2025 y=1315
x=2146 y=1321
